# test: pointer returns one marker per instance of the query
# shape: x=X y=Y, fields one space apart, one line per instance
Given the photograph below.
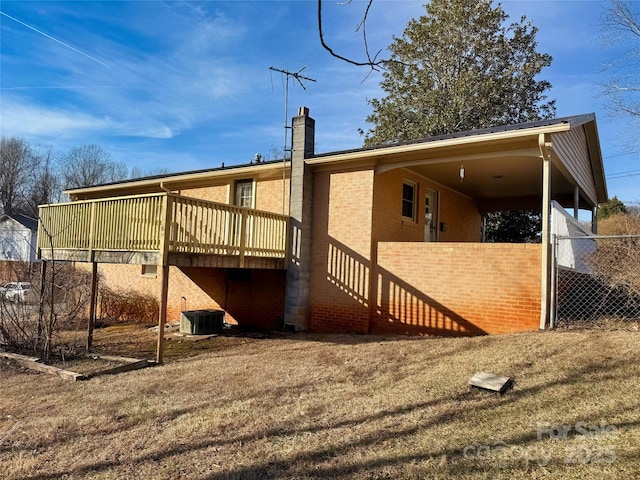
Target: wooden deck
x=163 y=229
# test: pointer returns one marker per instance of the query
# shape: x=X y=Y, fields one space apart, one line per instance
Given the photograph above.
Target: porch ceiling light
x=462 y=172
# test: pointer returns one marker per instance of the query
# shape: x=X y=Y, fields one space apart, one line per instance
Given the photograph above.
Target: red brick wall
x=457 y=288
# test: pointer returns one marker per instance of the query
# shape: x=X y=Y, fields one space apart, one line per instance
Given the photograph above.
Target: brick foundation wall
x=251 y=298
x=457 y=288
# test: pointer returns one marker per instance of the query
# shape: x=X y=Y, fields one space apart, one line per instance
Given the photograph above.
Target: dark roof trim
x=572 y=121
x=174 y=176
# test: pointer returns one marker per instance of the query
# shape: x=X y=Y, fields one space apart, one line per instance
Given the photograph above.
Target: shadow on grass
x=316 y=462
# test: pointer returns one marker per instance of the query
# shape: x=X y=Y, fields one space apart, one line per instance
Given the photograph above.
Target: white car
x=16 y=291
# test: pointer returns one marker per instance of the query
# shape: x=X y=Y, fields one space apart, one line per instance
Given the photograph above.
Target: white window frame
x=247 y=181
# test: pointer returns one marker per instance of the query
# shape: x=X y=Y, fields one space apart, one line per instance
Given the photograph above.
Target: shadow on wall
x=250 y=297
x=402 y=308
x=344 y=305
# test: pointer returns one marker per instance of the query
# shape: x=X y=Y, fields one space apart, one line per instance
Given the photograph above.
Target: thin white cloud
x=54 y=39
x=40 y=122
x=34 y=121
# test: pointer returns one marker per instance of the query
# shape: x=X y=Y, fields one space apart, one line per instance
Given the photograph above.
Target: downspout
x=544 y=143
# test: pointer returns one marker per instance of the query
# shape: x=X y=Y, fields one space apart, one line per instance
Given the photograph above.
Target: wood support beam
x=162 y=319
x=92 y=304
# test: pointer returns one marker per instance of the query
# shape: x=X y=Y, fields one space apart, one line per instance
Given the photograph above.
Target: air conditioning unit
x=202 y=322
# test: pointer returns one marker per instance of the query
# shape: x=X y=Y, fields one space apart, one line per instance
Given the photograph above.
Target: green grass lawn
x=312 y=406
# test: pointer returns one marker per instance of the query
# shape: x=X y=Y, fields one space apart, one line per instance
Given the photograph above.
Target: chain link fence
x=596 y=279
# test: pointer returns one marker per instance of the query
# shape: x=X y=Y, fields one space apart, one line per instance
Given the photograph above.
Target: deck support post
x=167 y=207
x=92 y=304
x=162 y=320
x=576 y=202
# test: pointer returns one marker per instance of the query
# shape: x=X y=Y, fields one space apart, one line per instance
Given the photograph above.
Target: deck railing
x=165 y=223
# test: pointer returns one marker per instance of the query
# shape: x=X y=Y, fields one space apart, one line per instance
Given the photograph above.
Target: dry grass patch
x=312 y=406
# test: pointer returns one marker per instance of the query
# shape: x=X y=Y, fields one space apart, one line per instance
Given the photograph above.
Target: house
x=371 y=240
x=18 y=235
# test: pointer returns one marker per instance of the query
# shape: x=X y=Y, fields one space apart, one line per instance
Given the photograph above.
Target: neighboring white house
x=574 y=245
x=18 y=235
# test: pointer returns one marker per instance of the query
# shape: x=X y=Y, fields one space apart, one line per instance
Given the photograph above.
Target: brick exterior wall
x=457 y=288
x=354 y=210
x=216 y=193
x=342 y=217
x=370 y=269
x=268 y=194
x=460 y=213
x=250 y=298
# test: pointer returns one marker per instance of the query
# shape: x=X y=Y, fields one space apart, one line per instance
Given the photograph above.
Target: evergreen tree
x=459 y=68
x=512 y=226
x=611 y=207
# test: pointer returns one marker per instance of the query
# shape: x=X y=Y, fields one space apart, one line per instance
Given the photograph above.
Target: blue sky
x=187 y=85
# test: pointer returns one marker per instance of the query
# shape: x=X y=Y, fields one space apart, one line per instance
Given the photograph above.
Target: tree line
x=32 y=175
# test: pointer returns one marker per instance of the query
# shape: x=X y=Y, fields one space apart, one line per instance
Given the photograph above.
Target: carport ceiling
x=491 y=177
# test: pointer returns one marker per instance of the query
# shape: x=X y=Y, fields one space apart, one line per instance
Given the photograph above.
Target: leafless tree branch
x=374 y=63
x=622 y=18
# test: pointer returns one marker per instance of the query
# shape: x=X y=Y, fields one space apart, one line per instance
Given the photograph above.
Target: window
x=409 y=200
x=150 y=270
x=244 y=193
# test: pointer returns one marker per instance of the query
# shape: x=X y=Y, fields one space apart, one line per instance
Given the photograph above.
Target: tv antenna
x=286 y=150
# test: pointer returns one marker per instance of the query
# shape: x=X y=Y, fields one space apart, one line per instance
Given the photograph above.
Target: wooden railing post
x=244 y=219
x=287 y=241
x=92 y=231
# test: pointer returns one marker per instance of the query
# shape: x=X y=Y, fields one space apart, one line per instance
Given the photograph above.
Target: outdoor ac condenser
x=202 y=322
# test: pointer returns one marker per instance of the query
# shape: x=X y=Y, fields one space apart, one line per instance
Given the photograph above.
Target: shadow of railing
x=395 y=306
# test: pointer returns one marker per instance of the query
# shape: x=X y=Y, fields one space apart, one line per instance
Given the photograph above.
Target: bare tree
x=90 y=165
x=17 y=167
x=45 y=185
x=622 y=26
